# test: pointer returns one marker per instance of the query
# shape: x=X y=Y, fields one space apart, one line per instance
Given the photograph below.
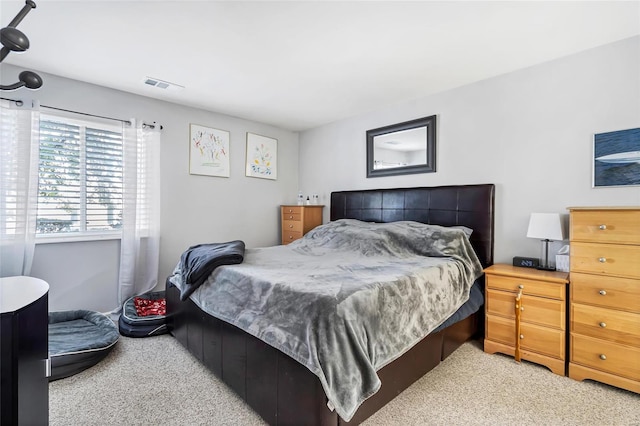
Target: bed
x=284 y=391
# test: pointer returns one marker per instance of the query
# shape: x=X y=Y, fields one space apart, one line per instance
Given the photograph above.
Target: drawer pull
x=522 y=336
x=290 y=237
x=290 y=226
x=602 y=292
x=603 y=324
x=602 y=260
x=603 y=357
x=290 y=211
x=518 y=336
x=521 y=286
x=290 y=217
x=602 y=227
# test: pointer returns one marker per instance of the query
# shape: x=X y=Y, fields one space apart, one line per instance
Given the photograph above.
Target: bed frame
x=283 y=391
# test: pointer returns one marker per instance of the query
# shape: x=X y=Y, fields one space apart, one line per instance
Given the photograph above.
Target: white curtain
x=140 y=245
x=19 y=147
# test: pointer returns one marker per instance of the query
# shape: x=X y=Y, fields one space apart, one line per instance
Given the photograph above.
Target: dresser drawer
x=292 y=216
x=543 y=340
x=291 y=210
x=292 y=225
x=606 y=356
x=607 y=324
x=606 y=259
x=617 y=293
x=619 y=227
x=529 y=287
x=537 y=310
x=289 y=236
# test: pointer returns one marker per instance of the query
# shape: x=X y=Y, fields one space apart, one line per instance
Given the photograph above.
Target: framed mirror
x=403 y=148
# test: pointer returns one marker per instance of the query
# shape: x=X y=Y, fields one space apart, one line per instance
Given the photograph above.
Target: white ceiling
x=298 y=65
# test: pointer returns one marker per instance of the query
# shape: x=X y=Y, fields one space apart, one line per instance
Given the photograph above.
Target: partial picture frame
x=209 y=151
x=616 y=158
x=262 y=157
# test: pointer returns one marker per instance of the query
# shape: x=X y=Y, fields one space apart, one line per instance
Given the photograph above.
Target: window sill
x=49 y=239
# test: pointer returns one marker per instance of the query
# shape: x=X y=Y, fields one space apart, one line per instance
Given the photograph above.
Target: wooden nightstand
x=298 y=220
x=537 y=333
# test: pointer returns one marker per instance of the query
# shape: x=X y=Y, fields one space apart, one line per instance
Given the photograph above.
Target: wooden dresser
x=605 y=295
x=298 y=220
x=526 y=314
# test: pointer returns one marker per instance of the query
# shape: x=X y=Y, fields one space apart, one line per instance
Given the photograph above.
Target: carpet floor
x=155 y=381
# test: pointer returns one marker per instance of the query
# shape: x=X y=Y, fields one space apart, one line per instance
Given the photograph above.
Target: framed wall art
x=208 y=151
x=616 y=158
x=262 y=156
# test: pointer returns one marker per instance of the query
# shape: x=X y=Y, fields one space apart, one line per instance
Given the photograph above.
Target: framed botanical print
x=262 y=156
x=208 y=151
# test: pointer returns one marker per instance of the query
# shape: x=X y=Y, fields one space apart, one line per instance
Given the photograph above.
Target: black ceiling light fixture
x=14 y=40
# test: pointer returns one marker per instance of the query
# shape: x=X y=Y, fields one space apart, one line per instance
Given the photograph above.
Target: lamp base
x=544 y=262
x=546 y=268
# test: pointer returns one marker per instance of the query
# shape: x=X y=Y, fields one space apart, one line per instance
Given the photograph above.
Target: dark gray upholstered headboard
x=467 y=205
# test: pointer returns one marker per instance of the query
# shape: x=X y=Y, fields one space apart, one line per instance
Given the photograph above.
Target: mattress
x=470 y=307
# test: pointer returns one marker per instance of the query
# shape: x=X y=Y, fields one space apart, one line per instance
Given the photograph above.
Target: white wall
x=530 y=132
x=194 y=209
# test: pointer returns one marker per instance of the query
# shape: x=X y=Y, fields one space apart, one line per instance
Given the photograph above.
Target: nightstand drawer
x=289 y=236
x=606 y=259
x=607 y=324
x=606 y=356
x=546 y=341
x=529 y=287
x=537 y=310
x=619 y=227
x=292 y=225
x=617 y=293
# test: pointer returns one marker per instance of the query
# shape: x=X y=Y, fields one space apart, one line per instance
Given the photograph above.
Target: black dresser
x=24 y=334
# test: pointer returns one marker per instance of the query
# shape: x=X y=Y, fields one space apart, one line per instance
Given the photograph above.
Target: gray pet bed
x=78 y=340
x=132 y=325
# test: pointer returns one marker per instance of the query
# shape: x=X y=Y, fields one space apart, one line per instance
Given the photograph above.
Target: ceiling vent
x=161 y=84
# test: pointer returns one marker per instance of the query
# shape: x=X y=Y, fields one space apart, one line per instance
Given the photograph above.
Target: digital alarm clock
x=525 y=262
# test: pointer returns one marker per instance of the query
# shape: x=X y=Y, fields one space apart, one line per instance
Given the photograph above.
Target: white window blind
x=79 y=177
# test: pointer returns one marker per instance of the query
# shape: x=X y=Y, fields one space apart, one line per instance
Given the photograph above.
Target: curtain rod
x=20 y=102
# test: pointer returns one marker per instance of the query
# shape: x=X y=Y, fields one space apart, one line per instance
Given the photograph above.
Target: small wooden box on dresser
x=526 y=314
x=605 y=295
x=298 y=220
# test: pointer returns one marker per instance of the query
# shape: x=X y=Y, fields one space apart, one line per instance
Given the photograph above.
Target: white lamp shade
x=545 y=226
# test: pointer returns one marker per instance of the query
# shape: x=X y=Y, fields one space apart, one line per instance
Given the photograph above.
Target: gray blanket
x=347 y=298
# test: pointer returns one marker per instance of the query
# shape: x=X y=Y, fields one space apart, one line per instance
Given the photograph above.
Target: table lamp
x=546 y=227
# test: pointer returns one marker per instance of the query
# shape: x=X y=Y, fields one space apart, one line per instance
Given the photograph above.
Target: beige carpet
x=154 y=381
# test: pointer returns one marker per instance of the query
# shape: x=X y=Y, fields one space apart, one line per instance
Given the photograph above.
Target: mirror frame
x=430 y=162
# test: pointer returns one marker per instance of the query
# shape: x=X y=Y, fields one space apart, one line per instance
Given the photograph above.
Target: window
x=79 y=178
